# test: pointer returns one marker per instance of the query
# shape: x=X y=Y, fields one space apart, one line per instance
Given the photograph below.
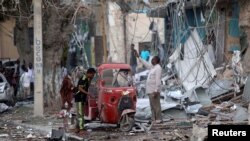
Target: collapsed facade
x=204 y=47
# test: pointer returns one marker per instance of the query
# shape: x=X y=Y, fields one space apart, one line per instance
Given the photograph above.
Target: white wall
x=116 y=33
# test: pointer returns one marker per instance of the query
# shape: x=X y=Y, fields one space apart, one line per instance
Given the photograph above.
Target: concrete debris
x=193 y=109
x=131 y=134
x=219 y=87
x=3 y=107
x=4 y=135
x=240 y=114
x=175 y=94
x=199 y=133
x=30 y=136
x=19 y=127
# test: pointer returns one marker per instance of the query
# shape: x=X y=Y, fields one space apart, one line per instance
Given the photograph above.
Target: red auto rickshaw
x=113 y=97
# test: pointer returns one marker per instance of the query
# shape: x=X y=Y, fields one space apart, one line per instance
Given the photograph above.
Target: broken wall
x=232 y=38
x=138 y=31
x=116 y=33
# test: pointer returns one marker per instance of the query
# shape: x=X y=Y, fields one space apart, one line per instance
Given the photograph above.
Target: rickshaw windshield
x=117 y=78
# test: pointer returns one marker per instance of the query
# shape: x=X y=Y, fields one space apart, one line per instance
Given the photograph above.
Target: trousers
x=155 y=105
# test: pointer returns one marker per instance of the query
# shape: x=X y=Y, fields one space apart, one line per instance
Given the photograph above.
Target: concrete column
x=38 y=59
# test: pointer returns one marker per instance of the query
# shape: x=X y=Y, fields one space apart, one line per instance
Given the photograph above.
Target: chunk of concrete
x=240 y=114
x=199 y=133
x=3 y=107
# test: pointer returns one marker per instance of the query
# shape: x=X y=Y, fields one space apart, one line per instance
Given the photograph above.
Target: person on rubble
x=153 y=86
x=66 y=91
x=81 y=98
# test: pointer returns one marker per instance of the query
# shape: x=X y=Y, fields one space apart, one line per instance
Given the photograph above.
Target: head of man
x=25 y=70
x=155 y=60
x=132 y=46
x=91 y=73
x=30 y=66
x=18 y=61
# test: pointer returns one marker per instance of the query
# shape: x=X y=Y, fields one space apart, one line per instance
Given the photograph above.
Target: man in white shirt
x=25 y=82
x=31 y=74
x=153 y=86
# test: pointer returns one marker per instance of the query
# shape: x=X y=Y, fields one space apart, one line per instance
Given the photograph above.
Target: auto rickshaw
x=113 y=97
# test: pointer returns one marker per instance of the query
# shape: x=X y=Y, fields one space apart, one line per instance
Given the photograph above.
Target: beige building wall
x=7 y=47
x=116 y=33
x=138 y=28
x=138 y=31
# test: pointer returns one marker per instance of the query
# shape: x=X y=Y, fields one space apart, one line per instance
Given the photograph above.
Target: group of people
x=80 y=94
x=153 y=88
x=21 y=77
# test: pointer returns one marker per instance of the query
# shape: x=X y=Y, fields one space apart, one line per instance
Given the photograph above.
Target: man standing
x=133 y=61
x=31 y=74
x=81 y=97
x=25 y=81
x=66 y=92
x=153 y=86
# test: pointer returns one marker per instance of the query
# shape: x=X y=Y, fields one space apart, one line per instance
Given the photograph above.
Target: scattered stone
x=3 y=107
x=4 y=135
x=240 y=114
x=30 y=136
x=19 y=127
x=199 y=133
x=131 y=134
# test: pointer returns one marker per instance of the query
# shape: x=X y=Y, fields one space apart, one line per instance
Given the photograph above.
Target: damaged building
x=205 y=45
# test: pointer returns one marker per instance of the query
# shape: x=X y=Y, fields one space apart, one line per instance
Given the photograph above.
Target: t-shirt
x=83 y=82
x=25 y=79
x=31 y=73
x=145 y=55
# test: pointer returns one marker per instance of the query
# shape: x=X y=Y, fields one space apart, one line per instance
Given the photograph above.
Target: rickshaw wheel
x=126 y=123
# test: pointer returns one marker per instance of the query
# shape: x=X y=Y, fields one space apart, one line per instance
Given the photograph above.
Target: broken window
x=117 y=78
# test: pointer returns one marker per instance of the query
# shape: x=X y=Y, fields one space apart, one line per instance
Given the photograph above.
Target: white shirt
x=25 y=79
x=31 y=74
x=153 y=83
x=64 y=72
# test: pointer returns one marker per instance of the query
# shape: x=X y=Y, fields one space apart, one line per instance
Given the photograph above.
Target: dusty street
x=19 y=124
x=10 y=132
